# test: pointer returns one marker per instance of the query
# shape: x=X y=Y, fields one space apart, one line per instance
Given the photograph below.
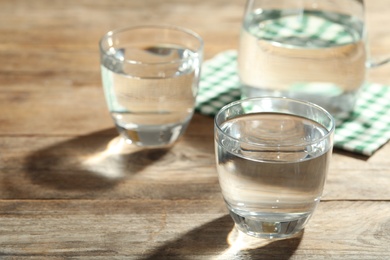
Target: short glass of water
x=272 y=158
x=150 y=77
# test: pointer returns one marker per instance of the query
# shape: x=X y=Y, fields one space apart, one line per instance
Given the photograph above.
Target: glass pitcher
x=313 y=50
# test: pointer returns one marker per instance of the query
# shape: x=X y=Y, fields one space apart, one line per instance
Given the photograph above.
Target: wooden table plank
x=46 y=110
x=145 y=229
x=83 y=167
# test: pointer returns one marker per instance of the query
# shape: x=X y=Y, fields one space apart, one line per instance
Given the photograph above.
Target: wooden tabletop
x=66 y=194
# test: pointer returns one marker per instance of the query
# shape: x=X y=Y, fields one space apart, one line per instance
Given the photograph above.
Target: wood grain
x=181 y=229
x=70 y=190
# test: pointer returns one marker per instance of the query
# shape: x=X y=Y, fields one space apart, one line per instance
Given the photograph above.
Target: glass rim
x=298 y=101
x=188 y=32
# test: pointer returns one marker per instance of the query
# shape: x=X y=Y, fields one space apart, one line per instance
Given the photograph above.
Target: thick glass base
x=153 y=136
x=270 y=226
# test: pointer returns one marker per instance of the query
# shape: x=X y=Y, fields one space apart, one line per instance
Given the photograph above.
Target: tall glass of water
x=150 y=77
x=272 y=158
x=306 y=49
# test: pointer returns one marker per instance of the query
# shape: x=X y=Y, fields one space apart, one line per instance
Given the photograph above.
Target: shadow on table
x=97 y=161
x=351 y=154
x=218 y=239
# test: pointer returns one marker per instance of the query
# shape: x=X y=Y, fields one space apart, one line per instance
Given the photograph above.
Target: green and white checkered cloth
x=364 y=132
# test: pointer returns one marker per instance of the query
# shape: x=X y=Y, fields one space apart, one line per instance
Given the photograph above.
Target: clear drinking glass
x=313 y=50
x=150 y=77
x=272 y=158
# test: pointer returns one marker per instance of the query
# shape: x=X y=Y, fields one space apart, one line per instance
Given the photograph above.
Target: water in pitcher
x=154 y=105
x=311 y=55
x=272 y=192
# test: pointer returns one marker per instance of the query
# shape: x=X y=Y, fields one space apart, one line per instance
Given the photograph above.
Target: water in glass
x=152 y=106
x=271 y=190
x=311 y=55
